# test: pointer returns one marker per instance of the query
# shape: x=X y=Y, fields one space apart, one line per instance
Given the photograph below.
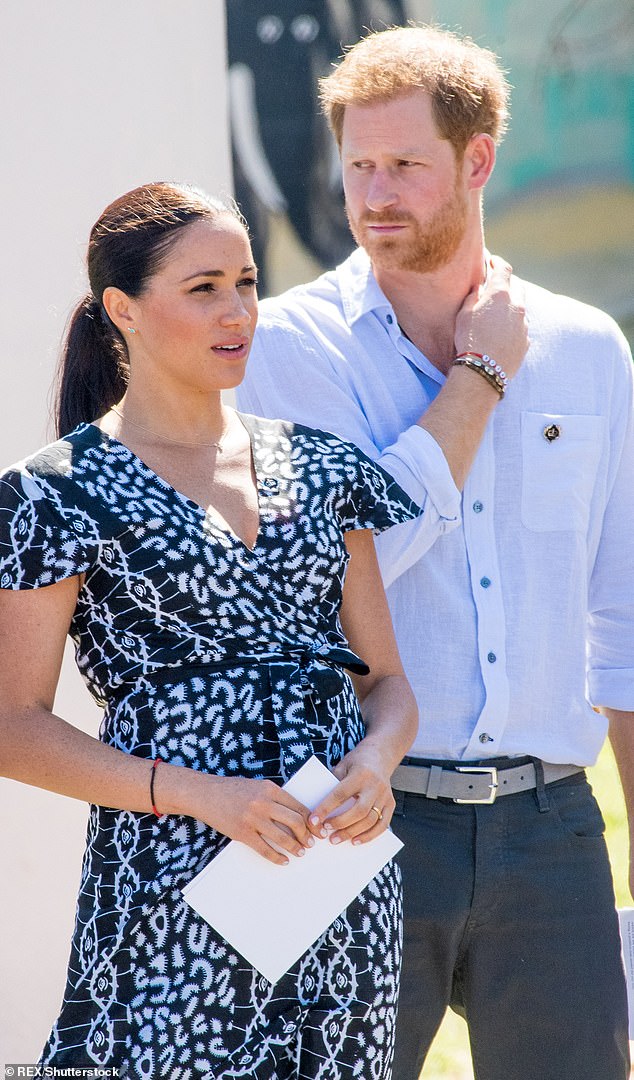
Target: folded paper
x=272 y=914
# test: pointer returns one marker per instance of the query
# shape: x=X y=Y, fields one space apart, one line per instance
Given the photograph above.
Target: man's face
x=406 y=198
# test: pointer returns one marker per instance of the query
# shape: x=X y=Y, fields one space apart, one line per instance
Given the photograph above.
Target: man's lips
x=385 y=226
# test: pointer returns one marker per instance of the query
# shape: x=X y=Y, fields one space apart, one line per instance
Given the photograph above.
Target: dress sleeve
x=41 y=542
x=373 y=499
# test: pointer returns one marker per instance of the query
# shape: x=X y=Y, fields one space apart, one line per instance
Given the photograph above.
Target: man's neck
x=426 y=304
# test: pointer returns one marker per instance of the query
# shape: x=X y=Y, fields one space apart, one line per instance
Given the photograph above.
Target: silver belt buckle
x=481 y=770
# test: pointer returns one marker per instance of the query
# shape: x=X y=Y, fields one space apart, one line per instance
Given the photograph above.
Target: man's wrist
x=486 y=367
x=479 y=390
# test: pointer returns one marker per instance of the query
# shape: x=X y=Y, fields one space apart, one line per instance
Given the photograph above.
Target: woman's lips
x=231 y=350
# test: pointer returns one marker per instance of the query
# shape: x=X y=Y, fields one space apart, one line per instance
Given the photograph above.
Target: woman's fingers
x=360 y=807
x=277 y=826
x=366 y=826
x=262 y=815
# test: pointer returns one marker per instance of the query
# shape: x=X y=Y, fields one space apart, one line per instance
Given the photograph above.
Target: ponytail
x=93 y=368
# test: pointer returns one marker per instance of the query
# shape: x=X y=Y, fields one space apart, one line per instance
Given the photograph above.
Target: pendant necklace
x=166 y=438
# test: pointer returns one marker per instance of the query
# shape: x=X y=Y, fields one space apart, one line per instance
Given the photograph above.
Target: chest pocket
x=560 y=455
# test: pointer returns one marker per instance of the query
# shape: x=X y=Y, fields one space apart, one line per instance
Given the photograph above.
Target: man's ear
x=479 y=160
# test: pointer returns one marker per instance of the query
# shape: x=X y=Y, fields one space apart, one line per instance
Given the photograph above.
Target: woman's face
x=195 y=320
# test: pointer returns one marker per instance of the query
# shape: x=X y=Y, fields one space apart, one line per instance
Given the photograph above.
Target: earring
x=130 y=329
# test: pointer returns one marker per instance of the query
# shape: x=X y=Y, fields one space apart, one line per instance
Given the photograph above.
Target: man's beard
x=425 y=247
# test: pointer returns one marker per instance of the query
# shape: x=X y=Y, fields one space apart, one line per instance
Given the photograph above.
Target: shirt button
x=491 y=657
x=485 y=582
x=478 y=507
x=484 y=737
x=389 y=319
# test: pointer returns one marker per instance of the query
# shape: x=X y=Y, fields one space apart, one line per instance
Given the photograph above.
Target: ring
x=379 y=813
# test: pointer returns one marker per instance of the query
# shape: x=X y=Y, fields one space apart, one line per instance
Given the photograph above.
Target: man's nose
x=381 y=192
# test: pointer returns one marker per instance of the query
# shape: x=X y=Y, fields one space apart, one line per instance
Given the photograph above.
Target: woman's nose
x=236 y=313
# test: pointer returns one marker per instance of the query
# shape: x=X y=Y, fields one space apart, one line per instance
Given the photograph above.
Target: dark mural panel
x=284 y=158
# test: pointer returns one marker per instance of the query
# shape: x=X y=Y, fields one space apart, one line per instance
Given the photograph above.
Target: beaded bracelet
x=485 y=366
x=156 y=812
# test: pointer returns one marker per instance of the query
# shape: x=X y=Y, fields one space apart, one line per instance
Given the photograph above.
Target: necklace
x=166 y=438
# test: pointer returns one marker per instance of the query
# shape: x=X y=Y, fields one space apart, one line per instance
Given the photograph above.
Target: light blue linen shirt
x=513 y=604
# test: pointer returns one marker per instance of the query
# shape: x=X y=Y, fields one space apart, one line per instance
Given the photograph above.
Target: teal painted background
x=572 y=69
x=560 y=203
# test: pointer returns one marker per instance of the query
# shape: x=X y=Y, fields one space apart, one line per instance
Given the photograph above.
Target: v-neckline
x=224 y=529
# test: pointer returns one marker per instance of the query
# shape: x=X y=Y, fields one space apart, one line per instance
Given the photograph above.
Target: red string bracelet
x=152 y=778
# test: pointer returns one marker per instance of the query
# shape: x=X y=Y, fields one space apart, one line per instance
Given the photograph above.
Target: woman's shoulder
x=55 y=459
x=290 y=434
x=51 y=471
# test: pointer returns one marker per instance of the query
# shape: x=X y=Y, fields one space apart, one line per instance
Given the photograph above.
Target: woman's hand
x=365 y=795
x=256 y=812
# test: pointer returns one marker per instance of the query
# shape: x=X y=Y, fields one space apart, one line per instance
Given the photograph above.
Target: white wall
x=94 y=99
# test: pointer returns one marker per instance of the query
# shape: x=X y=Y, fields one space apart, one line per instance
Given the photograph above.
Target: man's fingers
x=499 y=268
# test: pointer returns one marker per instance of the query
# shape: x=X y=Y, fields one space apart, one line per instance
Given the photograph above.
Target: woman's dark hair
x=127 y=246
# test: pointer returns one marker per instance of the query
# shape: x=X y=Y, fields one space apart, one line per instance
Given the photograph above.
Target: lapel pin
x=552 y=432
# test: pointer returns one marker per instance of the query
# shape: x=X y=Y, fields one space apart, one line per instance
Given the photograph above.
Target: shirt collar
x=358 y=288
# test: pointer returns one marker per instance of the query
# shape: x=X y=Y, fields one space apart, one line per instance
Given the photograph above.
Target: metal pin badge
x=552 y=432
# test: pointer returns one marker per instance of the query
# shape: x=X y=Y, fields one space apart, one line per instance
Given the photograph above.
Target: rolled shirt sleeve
x=291 y=377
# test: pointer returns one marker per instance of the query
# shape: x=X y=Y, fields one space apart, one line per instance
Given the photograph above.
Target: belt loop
x=433 y=784
x=540 y=787
x=399 y=799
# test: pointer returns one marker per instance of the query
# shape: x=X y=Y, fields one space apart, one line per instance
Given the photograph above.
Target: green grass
x=449 y=1057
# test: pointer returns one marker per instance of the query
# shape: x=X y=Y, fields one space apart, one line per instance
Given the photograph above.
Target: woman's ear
x=118 y=307
x=479 y=160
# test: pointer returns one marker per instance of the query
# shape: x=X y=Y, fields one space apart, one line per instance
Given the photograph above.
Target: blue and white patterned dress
x=228 y=660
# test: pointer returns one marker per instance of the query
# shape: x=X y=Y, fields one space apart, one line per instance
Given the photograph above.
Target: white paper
x=626 y=923
x=272 y=914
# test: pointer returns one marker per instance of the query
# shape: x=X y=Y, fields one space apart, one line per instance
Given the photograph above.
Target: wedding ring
x=379 y=813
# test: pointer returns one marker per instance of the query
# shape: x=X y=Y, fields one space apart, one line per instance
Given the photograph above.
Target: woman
x=197 y=558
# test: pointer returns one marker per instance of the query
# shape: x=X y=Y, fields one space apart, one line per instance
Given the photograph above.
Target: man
x=513 y=603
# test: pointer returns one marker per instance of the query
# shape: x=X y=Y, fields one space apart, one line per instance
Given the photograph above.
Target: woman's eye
x=248 y=283
x=204 y=288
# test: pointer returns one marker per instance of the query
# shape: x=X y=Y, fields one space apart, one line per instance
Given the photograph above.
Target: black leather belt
x=475 y=783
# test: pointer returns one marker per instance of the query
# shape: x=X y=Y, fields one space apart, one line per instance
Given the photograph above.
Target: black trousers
x=509 y=918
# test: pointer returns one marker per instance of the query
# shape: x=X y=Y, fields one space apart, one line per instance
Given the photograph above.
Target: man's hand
x=492 y=319
x=492 y=322
x=622 y=739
